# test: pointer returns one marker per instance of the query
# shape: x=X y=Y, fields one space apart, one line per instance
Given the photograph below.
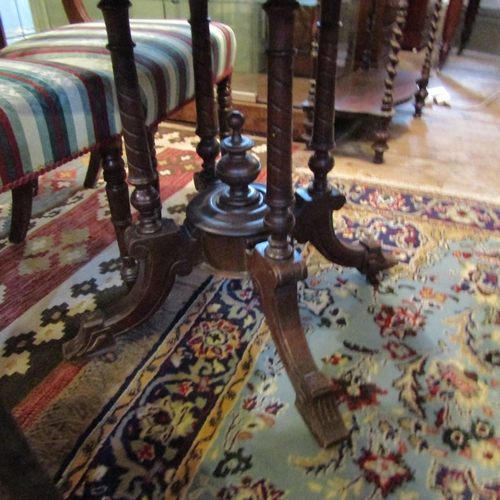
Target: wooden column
x=159 y=246
x=275 y=266
x=279 y=197
x=206 y=118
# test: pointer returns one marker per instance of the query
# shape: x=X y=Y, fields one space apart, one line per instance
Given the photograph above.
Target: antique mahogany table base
x=232 y=225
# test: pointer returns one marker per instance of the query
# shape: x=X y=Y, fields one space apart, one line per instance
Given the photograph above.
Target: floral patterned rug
x=196 y=404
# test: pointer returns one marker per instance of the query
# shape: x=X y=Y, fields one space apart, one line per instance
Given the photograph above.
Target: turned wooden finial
x=238 y=168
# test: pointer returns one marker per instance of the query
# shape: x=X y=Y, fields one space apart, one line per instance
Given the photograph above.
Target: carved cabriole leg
x=314 y=206
x=206 y=119
x=276 y=282
x=275 y=266
x=382 y=131
x=159 y=246
x=225 y=106
x=423 y=81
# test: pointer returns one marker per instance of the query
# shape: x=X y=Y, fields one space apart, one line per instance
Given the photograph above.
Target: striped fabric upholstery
x=57 y=98
x=49 y=114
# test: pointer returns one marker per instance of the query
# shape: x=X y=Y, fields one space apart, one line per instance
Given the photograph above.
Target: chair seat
x=75 y=59
x=46 y=117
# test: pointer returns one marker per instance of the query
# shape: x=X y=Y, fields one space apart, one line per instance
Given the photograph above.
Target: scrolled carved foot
x=160 y=256
x=314 y=223
x=375 y=261
x=91 y=337
x=276 y=282
x=317 y=406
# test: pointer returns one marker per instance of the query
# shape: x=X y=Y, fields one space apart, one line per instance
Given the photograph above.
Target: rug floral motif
x=414 y=363
x=415 y=367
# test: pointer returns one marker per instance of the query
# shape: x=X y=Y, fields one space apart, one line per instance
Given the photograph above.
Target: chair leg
x=93 y=170
x=119 y=205
x=22 y=202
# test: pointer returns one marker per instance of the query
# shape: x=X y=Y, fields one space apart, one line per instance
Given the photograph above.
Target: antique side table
x=233 y=225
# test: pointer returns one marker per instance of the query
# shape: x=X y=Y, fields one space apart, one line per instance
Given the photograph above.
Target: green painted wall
x=244 y=16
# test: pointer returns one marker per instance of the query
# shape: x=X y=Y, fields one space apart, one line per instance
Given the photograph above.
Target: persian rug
x=195 y=404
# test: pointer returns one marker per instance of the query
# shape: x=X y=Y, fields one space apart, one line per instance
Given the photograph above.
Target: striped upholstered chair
x=57 y=99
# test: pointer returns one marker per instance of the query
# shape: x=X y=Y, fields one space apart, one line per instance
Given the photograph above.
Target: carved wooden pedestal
x=233 y=225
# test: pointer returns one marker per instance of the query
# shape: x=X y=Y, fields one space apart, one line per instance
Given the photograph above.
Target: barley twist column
x=422 y=83
x=206 y=119
x=280 y=220
x=145 y=198
x=321 y=162
x=225 y=102
x=382 y=133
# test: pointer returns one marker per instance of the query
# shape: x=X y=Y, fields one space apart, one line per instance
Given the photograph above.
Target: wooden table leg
x=206 y=119
x=314 y=206
x=387 y=109
x=275 y=266
x=159 y=246
x=469 y=20
x=451 y=22
x=423 y=81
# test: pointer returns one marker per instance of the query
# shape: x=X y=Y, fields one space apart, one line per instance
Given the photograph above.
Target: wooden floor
x=453 y=149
